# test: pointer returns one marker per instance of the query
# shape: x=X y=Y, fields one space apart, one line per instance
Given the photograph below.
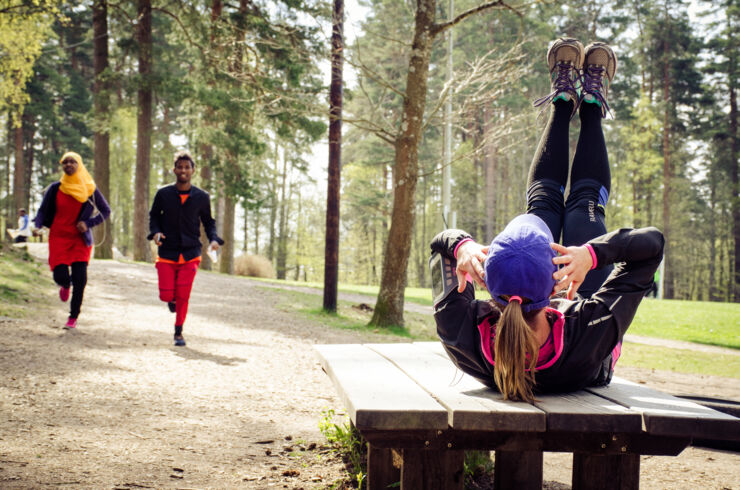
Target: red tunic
x=66 y=244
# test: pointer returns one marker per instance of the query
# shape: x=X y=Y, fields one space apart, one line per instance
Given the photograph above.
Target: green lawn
x=679 y=360
x=21 y=282
x=701 y=322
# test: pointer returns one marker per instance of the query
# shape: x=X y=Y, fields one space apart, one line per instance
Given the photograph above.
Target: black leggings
x=78 y=280
x=581 y=216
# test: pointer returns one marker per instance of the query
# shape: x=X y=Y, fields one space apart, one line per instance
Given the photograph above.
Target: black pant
x=580 y=217
x=78 y=280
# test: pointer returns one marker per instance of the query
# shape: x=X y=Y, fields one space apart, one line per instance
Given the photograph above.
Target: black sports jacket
x=586 y=332
x=180 y=223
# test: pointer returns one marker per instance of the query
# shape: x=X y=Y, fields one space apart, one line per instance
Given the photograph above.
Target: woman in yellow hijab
x=70 y=208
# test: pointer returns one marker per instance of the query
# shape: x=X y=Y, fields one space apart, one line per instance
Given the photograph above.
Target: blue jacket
x=48 y=209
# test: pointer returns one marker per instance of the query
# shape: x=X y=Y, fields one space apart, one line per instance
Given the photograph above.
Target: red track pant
x=175 y=283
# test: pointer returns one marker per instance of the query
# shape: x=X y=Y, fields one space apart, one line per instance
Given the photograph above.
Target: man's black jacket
x=180 y=222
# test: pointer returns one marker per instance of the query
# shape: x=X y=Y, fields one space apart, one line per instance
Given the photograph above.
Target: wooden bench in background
x=419 y=414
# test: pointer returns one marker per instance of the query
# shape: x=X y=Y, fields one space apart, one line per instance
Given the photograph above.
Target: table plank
x=376 y=394
x=470 y=404
x=582 y=411
x=575 y=412
x=664 y=414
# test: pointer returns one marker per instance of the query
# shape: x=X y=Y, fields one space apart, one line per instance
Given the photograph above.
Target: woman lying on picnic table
x=522 y=341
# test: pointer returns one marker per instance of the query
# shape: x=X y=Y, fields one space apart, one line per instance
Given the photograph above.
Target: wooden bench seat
x=419 y=414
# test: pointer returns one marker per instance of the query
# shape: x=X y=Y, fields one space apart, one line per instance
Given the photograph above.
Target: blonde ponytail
x=515 y=351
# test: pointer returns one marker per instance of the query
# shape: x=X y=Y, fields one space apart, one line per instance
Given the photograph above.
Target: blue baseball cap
x=519 y=262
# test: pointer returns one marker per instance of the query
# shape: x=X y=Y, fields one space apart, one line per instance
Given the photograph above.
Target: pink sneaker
x=71 y=323
x=63 y=294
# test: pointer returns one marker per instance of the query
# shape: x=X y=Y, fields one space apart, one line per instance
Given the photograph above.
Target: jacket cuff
x=465 y=240
x=593 y=255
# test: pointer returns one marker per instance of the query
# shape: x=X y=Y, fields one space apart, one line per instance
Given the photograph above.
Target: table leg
x=380 y=470
x=424 y=469
x=607 y=472
x=520 y=470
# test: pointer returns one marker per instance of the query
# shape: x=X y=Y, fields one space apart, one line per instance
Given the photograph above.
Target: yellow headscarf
x=78 y=185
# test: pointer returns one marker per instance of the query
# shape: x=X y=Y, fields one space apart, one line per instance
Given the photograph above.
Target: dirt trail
x=114 y=405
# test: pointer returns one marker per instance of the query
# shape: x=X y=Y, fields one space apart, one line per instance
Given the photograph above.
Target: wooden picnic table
x=419 y=414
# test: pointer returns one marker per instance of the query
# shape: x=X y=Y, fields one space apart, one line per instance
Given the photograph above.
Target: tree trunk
x=389 y=306
x=207 y=150
x=331 y=252
x=7 y=191
x=205 y=178
x=282 y=245
x=667 y=176
x=103 y=233
x=734 y=173
x=274 y=205
x=19 y=175
x=226 y=262
x=143 y=131
x=29 y=135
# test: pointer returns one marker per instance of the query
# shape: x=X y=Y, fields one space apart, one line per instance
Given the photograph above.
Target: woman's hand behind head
x=576 y=262
x=470 y=258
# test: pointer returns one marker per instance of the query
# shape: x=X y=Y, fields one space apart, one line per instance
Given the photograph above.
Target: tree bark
x=101 y=151
x=331 y=252
x=226 y=262
x=143 y=131
x=282 y=241
x=389 y=306
x=734 y=170
x=206 y=174
x=667 y=176
x=19 y=175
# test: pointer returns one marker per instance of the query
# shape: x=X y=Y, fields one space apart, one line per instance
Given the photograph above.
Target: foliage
x=476 y=464
x=24 y=26
x=253 y=266
x=347 y=441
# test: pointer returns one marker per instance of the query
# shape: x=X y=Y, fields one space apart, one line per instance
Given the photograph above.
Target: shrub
x=253 y=266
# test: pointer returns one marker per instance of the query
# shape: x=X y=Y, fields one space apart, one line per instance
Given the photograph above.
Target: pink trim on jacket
x=454 y=253
x=554 y=342
x=593 y=255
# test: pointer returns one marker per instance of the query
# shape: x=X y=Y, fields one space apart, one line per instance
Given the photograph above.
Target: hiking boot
x=179 y=341
x=564 y=59
x=171 y=305
x=63 y=294
x=71 y=323
x=599 y=68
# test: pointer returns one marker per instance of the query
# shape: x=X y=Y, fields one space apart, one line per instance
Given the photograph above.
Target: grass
x=20 y=282
x=700 y=322
x=418 y=326
x=422 y=296
x=679 y=360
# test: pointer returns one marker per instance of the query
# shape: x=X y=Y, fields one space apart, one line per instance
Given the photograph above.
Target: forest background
x=243 y=86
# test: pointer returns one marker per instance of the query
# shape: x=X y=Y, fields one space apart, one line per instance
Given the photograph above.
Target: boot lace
x=563 y=82
x=592 y=83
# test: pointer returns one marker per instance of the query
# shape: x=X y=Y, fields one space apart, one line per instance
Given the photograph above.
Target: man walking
x=174 y=225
